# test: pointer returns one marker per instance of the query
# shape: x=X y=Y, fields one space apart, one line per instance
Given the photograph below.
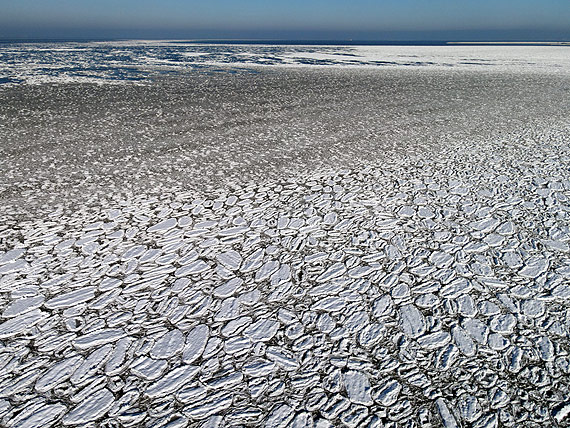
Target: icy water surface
x=294 y=247
x=141 y=61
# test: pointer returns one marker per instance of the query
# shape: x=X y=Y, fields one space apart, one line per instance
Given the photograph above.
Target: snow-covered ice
x=322 y=256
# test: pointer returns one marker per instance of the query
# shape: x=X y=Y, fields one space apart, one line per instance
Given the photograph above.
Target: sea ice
x=412 y=321
x=91 y=409
x=417 y=276
x=357 y=387
x=172 y=381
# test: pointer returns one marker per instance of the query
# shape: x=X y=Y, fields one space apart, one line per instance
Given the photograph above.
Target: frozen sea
x=240 y=235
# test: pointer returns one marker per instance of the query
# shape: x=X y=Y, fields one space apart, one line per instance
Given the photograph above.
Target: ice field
x=137 y=61
x=286 y=244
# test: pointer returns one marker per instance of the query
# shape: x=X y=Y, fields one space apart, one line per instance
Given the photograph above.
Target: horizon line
x=294 y=40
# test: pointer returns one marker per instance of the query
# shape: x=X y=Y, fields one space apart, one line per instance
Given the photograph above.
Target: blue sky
x=292 y=19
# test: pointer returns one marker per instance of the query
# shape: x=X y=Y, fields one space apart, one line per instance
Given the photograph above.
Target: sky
x=291 y=19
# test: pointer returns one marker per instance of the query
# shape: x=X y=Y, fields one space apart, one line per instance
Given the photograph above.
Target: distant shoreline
x=512 y=43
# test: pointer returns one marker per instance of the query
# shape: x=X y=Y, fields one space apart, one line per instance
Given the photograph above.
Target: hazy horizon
x=296 y=20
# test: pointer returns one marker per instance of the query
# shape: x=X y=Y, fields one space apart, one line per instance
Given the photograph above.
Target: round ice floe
x=498 y=342
x=11 y=255
x=434 y=340
x=534 y=267
x=262 y=330
x=148 y=368
x=357 y=321
x=545 y=348
x=441 y=259
x=194 y=268
x=44 y=416
x=533 y=308
x=229 y=309
x=23 y=305
x=91 y=365
x=21 y=323
x=447 y=418
x=72 y=298
x=382 y=306
x=332 y=272
x=98 y=338
x=387 y=392
x=58 y=374
x=163 y=226
x=192 y=393
x=476 y=329
x=229 y=288
x=469 y=408
x=168 y=345
x=253 y=261
x=258 y=368
x=503 y=323
x=412 y=321
x=562 y=291
x=357 y=387
x=280 y=416
x=133 y=252
x=463 y=341
x=237 y=345
x=265 y=271
x=230 y=259
x=172 y=381
x=91 y=408
x=196 y=340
